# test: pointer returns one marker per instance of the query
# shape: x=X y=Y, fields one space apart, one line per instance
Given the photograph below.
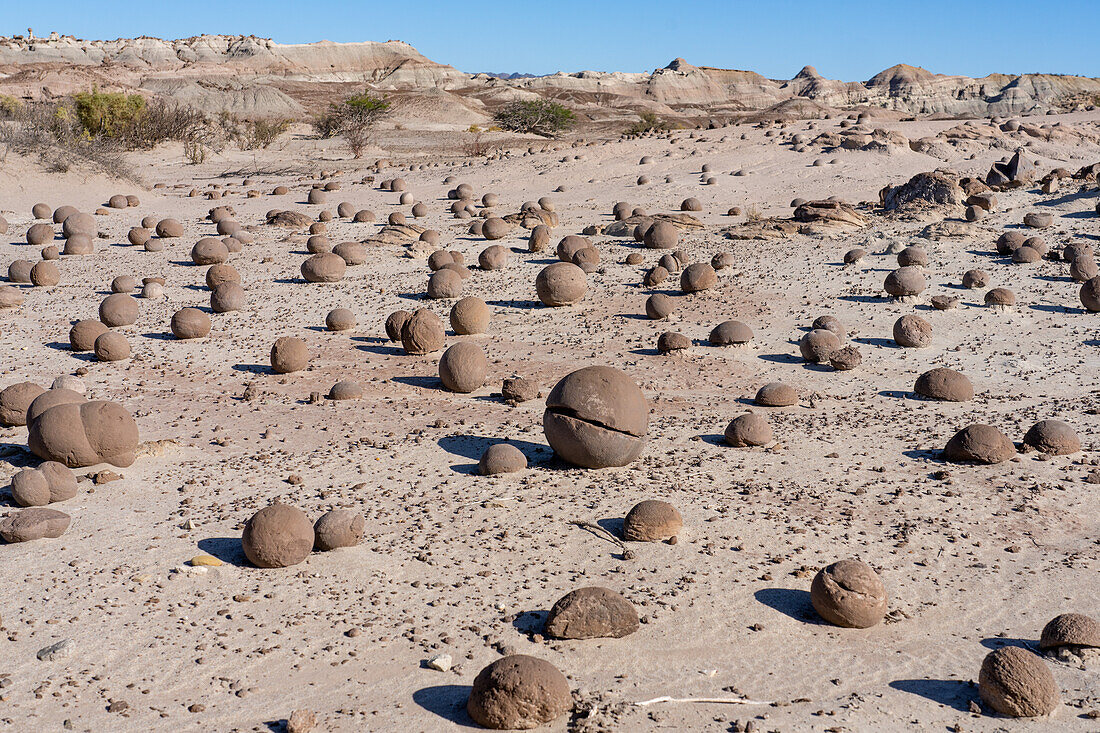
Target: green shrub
x=107 y=113
x=353 y=120
x=647 y=122
x=9 y=106
x=538 y=116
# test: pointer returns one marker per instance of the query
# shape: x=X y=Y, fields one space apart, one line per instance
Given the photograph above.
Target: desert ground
x=973 y=557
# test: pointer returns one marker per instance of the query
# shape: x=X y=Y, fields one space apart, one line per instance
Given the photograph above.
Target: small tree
x=353 y=120
x=647 y=122
x=539 y=116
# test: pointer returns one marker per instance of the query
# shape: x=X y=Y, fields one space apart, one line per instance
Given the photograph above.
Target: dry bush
x=52 y=132
x=352 y=119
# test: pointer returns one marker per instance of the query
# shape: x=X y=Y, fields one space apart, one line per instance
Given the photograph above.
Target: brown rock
x=277 y=536
x=591 y=613
x=849 y=593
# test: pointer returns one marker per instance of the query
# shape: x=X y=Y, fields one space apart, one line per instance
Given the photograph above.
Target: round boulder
x=592 y=613
x=596 y=417
x=518 y=692
x=849 y=593
x=277 y=536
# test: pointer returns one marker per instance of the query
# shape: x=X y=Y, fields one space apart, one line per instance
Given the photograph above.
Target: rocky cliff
x=258 y=77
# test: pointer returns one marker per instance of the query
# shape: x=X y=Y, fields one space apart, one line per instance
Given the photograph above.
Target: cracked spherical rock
x=518 y=692
x=463 y=367
x=1017 y=683
x=652 y=520
x=84 y=434
x=944 y=384
x=34 y=523
x=338 y=528
x=1054 y=437
x=501 y=458
x=596 y=417
x=849 y=593
x=846 y=358
x=422 y=333
x=277 y=536
x=981 y=444
x=1070 y=629
x=289 y=354
x=594 y=612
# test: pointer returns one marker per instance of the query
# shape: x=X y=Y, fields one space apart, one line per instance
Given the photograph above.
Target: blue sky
x=845 y=40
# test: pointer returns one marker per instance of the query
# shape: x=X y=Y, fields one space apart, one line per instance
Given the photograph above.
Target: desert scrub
x=537 y=116
x=352 y=119
x=107 y=114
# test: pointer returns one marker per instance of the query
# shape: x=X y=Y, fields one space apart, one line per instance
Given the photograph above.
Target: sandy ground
x=973 y=557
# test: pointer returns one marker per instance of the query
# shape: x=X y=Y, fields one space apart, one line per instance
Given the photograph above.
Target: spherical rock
x=45 y=274
x=904 y=281
x=495 y=228
x=41 y=211
x=40 y=234
x=422 y=333
x=730 y=333
x=849 y=593
x=1083 y=269
x=661 y=235
x=974 y=279
x=561 y=283
x=469 y=315
x=125 y=284
x=111 y=346
x=1038 y=220
x=118 y=309
x=691 y=204
x=1070 y=629
x=981 y=444
x=394 y=323
x=1009 y=241
x=670 y=341
x=340 y=319
x=84 y=434
x=913 y=256
x=539 y=240
x=79 y=244
x=698 y=277
x=338 y=528
x=169 y=228
x=60 y=479
x=518 y=692
x=83 y=334
x=30 y=488
x=463 y=367
x=944 y=384
x=1090 y=295
x=596 y=417
x=345 y=390
x=190 y=323
x=1000 y=297
x=1054 y=437
x=352 y=253
x=61 y=213
x=748 y=430
x=79 y=224
x=501 y=458
x=853 y=256
x=652 y=521
x=209 y=251
x=912 y=332
x=658 y=306
x=1025 y=255
x=289 y=354
x=570 y=245
x=818 y=345
x=227 y=297
x=218 y=274
x=592 y=613
x=277 y=536
x=19 y=271
x=444 y=284
x=1017 y=683
x=776 y=394
x=324 y=268
x=14 y=401
x=493 y=257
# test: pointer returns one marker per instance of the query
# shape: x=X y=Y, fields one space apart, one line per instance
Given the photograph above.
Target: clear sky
x=851 y=41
